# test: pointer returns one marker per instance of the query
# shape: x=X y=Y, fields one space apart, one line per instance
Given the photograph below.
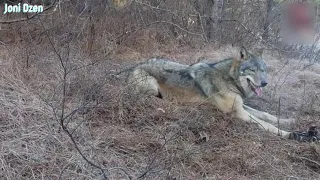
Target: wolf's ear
x=259 y=52
x=244 y=54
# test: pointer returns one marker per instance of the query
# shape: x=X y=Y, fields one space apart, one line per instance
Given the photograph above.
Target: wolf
x=224 y=84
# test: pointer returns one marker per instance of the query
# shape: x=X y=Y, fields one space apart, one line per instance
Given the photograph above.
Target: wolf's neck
x=231 y=66
x=225 y=64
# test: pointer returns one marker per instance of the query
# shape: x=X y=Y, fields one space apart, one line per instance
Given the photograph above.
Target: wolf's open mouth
x=256 y=89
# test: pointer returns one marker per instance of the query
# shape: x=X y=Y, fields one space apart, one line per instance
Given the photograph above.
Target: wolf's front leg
x=265 y=116
x=246 y=116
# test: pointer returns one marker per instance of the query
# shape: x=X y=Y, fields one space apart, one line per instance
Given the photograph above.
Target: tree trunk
x=266 y=24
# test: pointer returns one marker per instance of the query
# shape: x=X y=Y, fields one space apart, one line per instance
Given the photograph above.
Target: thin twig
x=149 y=167
x=278 y=118
x=204 y=36
x=158 y=22
x=307 y=159
x=156 y=8
x=255 y=36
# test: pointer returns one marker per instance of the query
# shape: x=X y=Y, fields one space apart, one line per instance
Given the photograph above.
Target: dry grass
x=132 y=137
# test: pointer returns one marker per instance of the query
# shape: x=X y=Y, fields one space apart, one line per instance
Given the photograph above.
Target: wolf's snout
x=263 y=84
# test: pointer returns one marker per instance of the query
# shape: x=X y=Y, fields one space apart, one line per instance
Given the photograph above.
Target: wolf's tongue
x=258 y=91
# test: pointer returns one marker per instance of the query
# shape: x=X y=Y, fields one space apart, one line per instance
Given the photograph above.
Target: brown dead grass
x=130 y=136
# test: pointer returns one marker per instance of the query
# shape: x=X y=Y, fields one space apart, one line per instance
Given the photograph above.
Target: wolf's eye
x=252 y=70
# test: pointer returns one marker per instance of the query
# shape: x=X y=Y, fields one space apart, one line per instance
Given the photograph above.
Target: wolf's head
x=250 y=72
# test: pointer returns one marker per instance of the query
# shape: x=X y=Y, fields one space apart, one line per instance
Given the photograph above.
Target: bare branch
x=153 y=7
x=159 y=22
x=62 y=115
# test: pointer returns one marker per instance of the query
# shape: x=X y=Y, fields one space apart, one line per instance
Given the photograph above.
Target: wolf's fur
x=224 y=84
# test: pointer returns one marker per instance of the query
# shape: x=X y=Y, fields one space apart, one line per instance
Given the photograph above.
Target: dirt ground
x=145 y=137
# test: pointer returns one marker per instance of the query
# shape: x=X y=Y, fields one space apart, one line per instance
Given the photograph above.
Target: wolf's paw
x=307 y=136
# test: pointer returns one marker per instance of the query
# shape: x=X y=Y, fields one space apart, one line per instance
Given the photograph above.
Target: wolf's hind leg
x=144 y=83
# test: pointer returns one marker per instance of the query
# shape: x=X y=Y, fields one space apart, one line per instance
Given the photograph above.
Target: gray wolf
x=224 y=84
